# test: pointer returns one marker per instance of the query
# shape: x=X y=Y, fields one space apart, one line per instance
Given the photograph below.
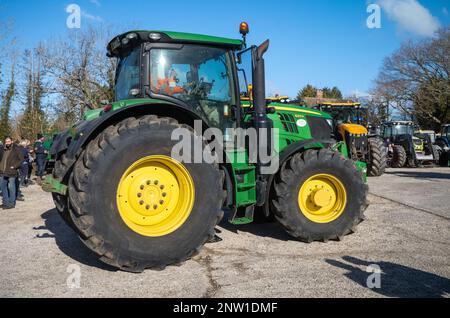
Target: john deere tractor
x=406 y=147
x=349 y=125
x=118 y=184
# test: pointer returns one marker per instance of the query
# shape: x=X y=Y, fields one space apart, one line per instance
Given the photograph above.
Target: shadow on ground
x=260 y=227
x=421 y=175
x=396 y=280
x=67 y=241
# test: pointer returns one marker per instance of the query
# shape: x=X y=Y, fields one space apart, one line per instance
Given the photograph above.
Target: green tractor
x=117 y=183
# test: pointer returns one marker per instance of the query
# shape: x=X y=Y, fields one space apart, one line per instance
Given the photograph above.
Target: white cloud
x=411 y=16
x=96 y=2
x=91 y=16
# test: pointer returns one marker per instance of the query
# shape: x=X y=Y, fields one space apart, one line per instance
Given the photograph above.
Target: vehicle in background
x=407 y=148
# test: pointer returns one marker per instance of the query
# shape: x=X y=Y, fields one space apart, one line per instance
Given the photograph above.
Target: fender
x=72 y=141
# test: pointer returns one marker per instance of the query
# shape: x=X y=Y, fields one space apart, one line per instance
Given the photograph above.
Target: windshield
x=127 y=75
x=446 y=131
x=346 y=115
x=201 y=76
x=398 y=130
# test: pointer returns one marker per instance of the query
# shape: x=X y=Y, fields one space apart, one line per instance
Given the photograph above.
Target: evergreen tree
x=307 y=91
x=5 y=126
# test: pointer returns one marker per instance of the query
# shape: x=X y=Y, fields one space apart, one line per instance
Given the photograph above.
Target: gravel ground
x=406 y=234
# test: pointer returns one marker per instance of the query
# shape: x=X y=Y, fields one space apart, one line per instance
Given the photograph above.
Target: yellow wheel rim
x=322 y=198
x=155 y=196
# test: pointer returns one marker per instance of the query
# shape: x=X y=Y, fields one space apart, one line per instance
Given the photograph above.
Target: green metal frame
x=50 y=184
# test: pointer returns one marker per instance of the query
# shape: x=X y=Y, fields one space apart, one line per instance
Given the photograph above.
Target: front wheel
x=320 y=196
x=399 y=156
x=378 y=157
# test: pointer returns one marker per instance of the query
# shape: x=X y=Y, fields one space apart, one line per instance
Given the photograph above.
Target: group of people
x=16 y=166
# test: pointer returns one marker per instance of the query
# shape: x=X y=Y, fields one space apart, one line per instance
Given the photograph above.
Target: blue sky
x=326 y=43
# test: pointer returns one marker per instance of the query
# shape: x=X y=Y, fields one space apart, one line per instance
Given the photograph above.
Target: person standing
x=9 y=164
x=41 y=156
x=23 y=172
x=30 y=162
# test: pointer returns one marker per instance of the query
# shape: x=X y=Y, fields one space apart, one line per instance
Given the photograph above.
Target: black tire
x=378 y=156
x=92 y=192
x=444 y=158
x=398 y=156
x=411 y=163
x=299 y=169
x=437 y=152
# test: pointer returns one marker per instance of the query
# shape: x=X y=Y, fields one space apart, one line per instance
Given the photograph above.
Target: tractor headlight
x=154 y=36
x=131 y=36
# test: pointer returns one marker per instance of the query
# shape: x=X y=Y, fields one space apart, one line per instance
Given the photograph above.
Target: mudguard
x=72 y=141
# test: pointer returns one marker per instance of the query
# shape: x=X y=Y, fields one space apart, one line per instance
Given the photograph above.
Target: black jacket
x=11 y=160
x=39 y=150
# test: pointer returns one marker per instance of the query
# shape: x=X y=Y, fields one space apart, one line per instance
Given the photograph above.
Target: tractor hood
x=353 y=129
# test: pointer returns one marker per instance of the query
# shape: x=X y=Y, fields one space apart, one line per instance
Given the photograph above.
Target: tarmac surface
x=406 y=236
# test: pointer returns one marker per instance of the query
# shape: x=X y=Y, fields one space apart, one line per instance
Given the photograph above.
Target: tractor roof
x=139 y=36
x=340 y=104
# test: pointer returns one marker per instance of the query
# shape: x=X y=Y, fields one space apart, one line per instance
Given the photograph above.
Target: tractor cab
x=345 y=112
x=196 y=76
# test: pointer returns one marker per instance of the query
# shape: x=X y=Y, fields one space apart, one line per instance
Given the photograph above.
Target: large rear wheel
x=320 y=196
x=137 y=207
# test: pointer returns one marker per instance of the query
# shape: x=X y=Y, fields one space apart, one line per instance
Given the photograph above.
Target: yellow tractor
x=350 y=127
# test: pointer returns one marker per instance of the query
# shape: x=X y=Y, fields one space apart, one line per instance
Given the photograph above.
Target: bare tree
x=415 y=79
x=79 y=73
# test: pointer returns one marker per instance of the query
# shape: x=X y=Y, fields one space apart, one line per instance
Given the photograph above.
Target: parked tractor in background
x=349 y=126
x=133 y=204
x=443 y=141
x=407 y=148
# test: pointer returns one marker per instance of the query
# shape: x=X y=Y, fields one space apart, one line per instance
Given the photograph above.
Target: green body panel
x=244 y=178
x=191 y=37
x=96 y=113
x=362 y=166
x=197 y=38
x=47 y=144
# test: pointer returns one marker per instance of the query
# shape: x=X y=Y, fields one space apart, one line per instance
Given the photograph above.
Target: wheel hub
x=322 y=198
x=155 y=196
